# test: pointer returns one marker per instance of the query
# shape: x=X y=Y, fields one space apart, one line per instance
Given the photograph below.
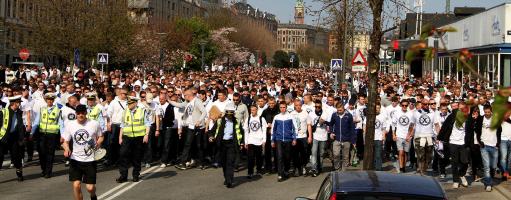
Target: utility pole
x=341 y=74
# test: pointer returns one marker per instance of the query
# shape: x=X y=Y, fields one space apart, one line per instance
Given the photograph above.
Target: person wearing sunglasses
x=114 y=120
x=402 y=133
x=424 y=123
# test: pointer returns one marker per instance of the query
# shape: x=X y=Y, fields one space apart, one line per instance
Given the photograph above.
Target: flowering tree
x=228 y=51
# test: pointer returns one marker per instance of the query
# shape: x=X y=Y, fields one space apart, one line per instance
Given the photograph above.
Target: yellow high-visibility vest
x=49 y=123
x=134 y=127
x=94 y=113
x=237 y=130
x=3 y=130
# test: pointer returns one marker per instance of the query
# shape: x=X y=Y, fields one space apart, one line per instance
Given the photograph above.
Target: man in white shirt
x=402 y=132
x=489 y=140
x=255 y=137
x=115 y=111
x=86 y=136
x=424 y=124
x=299 y=151
x=317 y=127
x=380 y=131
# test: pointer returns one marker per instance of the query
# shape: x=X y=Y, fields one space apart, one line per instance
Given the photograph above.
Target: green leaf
x=450 y=29
x=500 y=107
x=410 y=55
x=460 y=119
x=428 y=53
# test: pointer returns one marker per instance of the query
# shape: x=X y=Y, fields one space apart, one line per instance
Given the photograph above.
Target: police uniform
x=134 y=127
x=47 y=121
x=12 y=133
x=95 y=112
x=228 y=137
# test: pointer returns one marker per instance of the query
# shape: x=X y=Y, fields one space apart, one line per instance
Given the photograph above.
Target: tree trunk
x=374 y=66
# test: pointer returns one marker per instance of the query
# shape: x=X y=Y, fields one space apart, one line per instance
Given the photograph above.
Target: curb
x=503 y=191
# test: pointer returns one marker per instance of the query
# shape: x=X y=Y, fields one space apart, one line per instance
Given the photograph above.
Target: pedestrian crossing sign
x=336 y=64
x=102 y=58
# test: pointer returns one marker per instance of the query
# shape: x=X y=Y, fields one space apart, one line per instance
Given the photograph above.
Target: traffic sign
x=252 y=59
x=292 y=59
x=336 y=65
x=103 y=58
x=359 y=63
x=24 y=54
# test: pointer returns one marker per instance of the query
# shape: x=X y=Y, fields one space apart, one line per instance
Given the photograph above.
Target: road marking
x=123 y=184
x=133 y=184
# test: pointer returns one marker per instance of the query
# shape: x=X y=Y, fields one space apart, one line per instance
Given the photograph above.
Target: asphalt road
x=171 y=183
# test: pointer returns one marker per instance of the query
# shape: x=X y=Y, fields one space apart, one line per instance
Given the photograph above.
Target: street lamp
x=161 y=49
x=202 y=46
x=385 y=47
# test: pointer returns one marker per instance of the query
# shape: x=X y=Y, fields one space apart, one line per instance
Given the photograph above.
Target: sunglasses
x=404 y=105
x=143 y=97
x=236 y=100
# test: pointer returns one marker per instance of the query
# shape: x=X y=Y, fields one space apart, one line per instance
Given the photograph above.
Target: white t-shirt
x=402 y=123
x=488 y=136
x=301 y=123
x=457 y=135
x=424 y=123
x=506 y=131
x=83 y=137
x=320 y=134
x=380 y=125
x=391 y=111
x=308 y=108
x=360 y=113
x=255 y=130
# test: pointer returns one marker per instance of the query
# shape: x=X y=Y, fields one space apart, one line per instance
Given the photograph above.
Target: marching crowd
x=282 y=121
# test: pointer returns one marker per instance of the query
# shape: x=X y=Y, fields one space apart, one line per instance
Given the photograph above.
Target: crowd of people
x=271 y=120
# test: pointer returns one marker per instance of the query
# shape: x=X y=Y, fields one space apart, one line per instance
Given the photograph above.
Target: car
x=376 y=185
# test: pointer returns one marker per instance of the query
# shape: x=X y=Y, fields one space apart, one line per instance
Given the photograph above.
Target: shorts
x=82 y=171
x=403 y=145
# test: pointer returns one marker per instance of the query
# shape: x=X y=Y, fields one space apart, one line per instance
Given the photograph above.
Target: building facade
x=154 y=11
x=255 y=17
x=291 y=37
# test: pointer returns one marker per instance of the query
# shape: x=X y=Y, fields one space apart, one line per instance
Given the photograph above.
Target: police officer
x=95 y=111
x=228 y=137
x=48 y=120
x=12 y=133
x=134 y=133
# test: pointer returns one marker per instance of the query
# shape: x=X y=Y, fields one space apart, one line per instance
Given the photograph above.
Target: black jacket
x=446 y=130
x=19 y=133
x=269 y=114
x=168 y=118
x=220 y=133
x=478 y=127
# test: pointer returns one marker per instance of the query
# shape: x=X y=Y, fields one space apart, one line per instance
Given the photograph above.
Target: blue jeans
x=490 y=157
x=378 y=147
x=318 y=148
x=505 y=153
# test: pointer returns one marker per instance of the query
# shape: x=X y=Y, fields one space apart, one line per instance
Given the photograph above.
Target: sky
x=284 y=9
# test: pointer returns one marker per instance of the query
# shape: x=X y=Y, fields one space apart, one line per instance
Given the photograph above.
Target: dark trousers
x=268 y=151
x=169 y=141
x=378 y=147
x=284 y=157
x=15 y=150
x=113 y=147
x=227 y=159
x=440 y=163
x=48 y=145
x=476 y=160
x=151 y=148
x=390 y=145
x=360 y=143
x=459 y=161
x=28 y=147
x=192 y=137
x=255 y=157
x=132 y=150
x=300 y=155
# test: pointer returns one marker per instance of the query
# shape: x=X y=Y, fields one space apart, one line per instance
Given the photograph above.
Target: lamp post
x=161 y=49
x=202 y=46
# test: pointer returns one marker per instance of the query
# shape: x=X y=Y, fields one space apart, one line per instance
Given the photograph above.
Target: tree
x=280 y=59
x=307 y=53
x=228 y=50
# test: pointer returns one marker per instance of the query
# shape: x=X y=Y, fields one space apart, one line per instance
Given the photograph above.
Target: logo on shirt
x=424 y=120
x=308 y=110
x=254 y=125
x=189 y=110
x=81 y=137
x=392 y=113
x=377 y=124
x=71 y=116
x=404 y=120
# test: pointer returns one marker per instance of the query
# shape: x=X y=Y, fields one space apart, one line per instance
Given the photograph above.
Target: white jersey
x=424 y=123
x=361 y=115
x=308 y=108
x=83 y=137
x=457 y=135
x=391 y=111
x=402 y=123
x=301 y=123
x=320 y=134
x=255 y=130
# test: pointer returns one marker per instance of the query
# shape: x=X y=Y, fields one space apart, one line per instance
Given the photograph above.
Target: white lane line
x=123 y=184
x=133 y=184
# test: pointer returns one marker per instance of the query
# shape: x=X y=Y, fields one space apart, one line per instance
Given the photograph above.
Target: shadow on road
x=163 y=174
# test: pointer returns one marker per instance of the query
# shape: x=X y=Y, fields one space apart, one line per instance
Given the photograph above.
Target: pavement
x=171 y=183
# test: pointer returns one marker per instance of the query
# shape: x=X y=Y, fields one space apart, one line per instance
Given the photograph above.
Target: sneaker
x=11 y=166
x=250 y=176
x=280 y=179
x=136 y=178
x=488 y=188
x=442 y=176
x=456 y=185
x=121 y=179
x=147 y=165
x=181 y=166
x=163 y=165
x=464 y=182
x=67 y=163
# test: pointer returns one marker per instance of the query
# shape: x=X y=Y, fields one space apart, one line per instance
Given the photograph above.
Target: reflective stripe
x=237 y=130
x=94 y=113
x=3 y=130
x=49 y=123
x=134 y=127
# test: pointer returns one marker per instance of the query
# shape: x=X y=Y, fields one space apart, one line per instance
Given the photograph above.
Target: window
x=173 y=6
x=8 y=6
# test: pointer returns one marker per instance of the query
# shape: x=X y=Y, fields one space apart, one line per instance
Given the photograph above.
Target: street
x=171 y=183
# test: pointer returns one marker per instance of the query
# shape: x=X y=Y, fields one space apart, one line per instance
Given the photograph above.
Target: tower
x=299 y=12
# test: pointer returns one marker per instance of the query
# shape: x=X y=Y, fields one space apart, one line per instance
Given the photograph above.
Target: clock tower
x=299 y=12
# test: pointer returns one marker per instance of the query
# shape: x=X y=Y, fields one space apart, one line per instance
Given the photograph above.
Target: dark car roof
x=382 y=182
